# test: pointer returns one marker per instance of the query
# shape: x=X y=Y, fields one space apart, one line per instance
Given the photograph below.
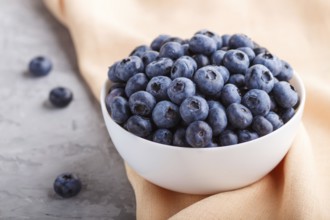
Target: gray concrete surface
x=38 y=142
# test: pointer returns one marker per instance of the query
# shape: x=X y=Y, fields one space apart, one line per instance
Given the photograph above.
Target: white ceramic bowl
x=205 y=170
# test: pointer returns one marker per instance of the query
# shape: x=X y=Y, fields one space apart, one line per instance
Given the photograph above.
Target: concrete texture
x=38 y=142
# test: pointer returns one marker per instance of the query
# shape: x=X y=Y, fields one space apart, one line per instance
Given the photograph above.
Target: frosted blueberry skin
x=275 y=120
x=228 y=137
x=166 y=114
x=67 y=185
x=230 y=94
x=285 y=95
x=202 y=44
x=201 y=60
x=149 y=56
x=128 y=67
x=246 y=135
x=270 y=61
x=120 y=111
x=257 y=101
x=194 y=108
x=172 y=50
x=217 y=119
x=236 y=61
x=40 y=66
x=163 y=136
x=259 y=77
x=139 y=126
x=184 y=67
x=180 y=88
x=179 y=138
x=209 y=80
x=158 y=42
x=199 y=134
x=239 y=116
x=261 y=125
x=240 y=40
x=159 y=67
x=60 y=96
x=141 y=103
x=140 y=50
x=136 y=83
x=158 y=86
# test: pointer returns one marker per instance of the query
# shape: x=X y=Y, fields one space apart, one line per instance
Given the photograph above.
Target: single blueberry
x=139 y=126
x=270 y=61
x=40 y=66
x=217 y=119
x=246 y=135
x=136 y=83
x=273 y=104
x=228 y=137
x=287 y=114
x=239 y=116
x=261 y=125
x=112 y=74
x=128 y=67
x=199 y=134
x=224 y=72
x=60 y=96
x=180 y=88
x=209 y=80
x=248 y=51
x=179 y=138
x=183 y=67
x=119 y=109
x=259 y=77
x=194 y=108
x=166 y=114
x=141 y=103
x=159 y=67
x=140 y=50
x=259 y=50
x=149 y=57
x=236 y=61
x=163 y=136
x=230 y=94
x=217 y=57
x=114 y=92
x=202 y=44
x=67 y=185
x=257 y=101
x=215 y=104
x=201 y=60
x=237 y=79
x=158 y=42
x=172 y=50
x=186 y=50
x=212 y=35
x=157 y=87
x=286 y=72
x=240 y=40
x=275 y=120
x=225 y=40
x=284 y=95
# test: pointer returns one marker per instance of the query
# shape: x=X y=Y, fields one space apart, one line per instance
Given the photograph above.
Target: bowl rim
x=299 y=110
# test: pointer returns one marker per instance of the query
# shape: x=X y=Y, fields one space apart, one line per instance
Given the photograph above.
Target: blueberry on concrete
x=184 y=67
x=246 y=135
x=40 y=66
x=159 y=67
x=139 y=126
x=166 y=114
x=275 y=120
x=230 y=94
x=60 y=96
x=128 y=67
x=286 y=72
x=140 y=50
x=172 y=50
x=199 y=134
x=157 y=87
x=259 y=77
x=158 y=42
x=261 y=125
x=136 y=83
x=67 y=185
x=237 y=79
x=149 y=56
x=236 y=61
x=228 y=137
x=119 y=109
x=180 y=88
x=201 y=60
x=284 y=94
x=163 y=136
x=179 y=138
x=240 y=40
x=217 y=57
x=248 y=51
x=270 y=61
x=217 y=119
x=194 y=108
x=209 y=80
x=257 y=101
x=141 y=103
x=202 y=44
x=239 y=116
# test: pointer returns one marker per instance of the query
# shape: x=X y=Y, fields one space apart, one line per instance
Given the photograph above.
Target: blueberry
x=60 y=96
x=176 y=40
x=136 y=83
x=209 y=80
x=270 y=61
x=119 y=109
x=257 y=101
x=157 y=87
x=183 y=67
x=211 y=144
x=158 y=42
x=163 y=136
x=217 y=57
x=259 y=50
x=199 y=134
x=40 y=66
x=286 y=72
x=217 y=119
x=246 y=135
x=159 y=67
x=179 y=138
x=230 y=94
x=194 y=108
x=261 y=125
x=112 y=74
x=166 y=114
x=149 y=57
x=212 y=35
x=287 y=114
x=259 y=77
x=215 y=104
x=273 y=104
x=141 y=103
x=180 y=88
x=127 y=67
x=248 y=51
x=225 y=40
x=237 y=79
x=275 y=120
x=139 y=126
x=67 y=185
x=239 y=116
x=228 y=137
x=186 y=50
x=284 y=95
x=202 y=44
x=114 y=92
x=240 y=40
x=201 y=60
x=236 y=61
x=140 y=50
x=172 y=50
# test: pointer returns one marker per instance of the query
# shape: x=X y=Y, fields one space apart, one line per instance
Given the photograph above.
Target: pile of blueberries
x=206 y=91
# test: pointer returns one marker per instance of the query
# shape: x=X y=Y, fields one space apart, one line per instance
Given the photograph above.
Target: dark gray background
x=38 y=142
